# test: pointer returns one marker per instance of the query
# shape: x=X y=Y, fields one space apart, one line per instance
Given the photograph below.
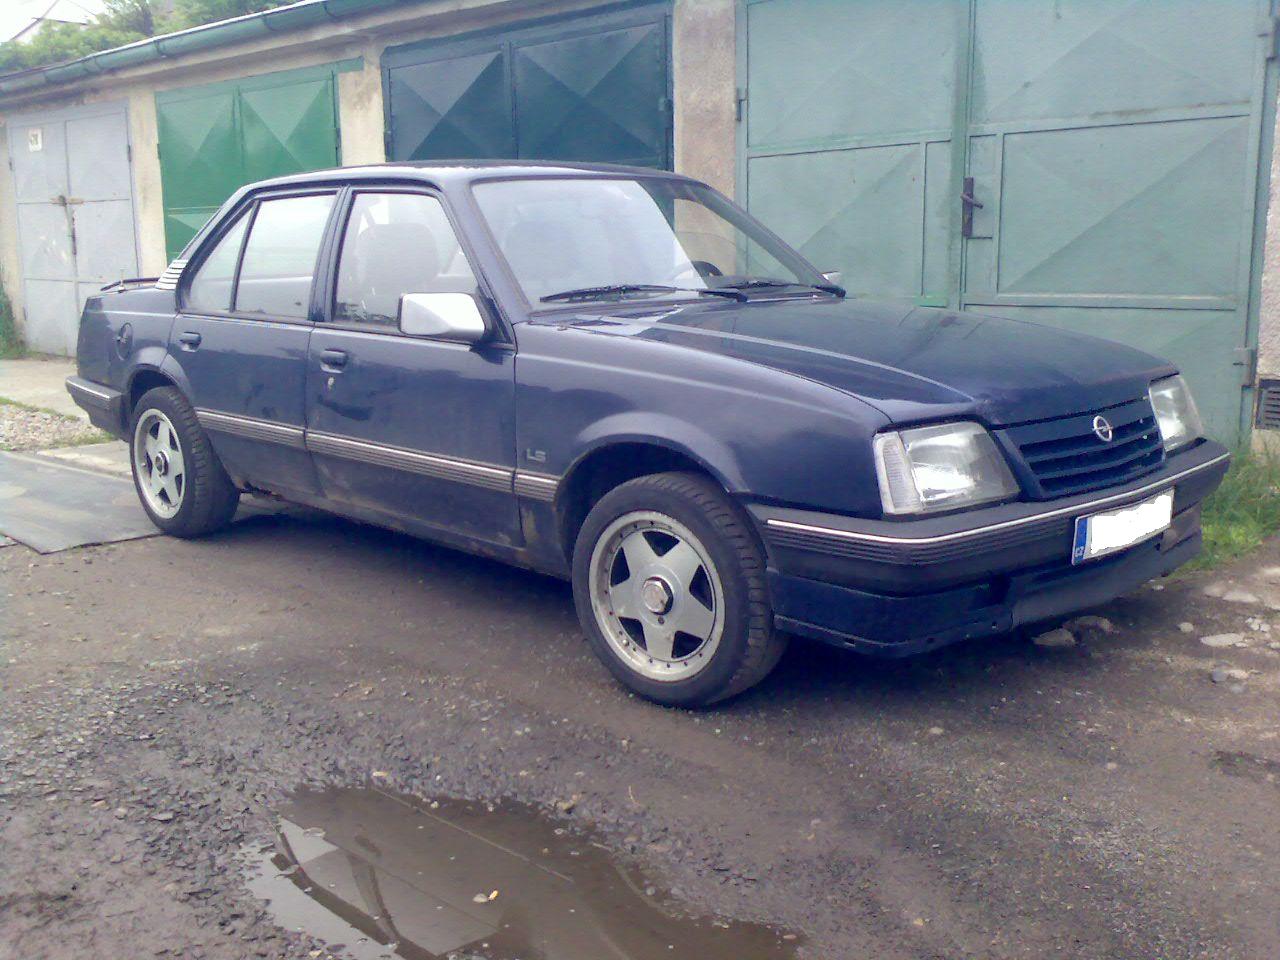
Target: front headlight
x=1176 y=413
x=940 y=468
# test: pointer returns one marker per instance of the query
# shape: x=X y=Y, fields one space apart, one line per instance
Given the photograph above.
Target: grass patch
x=1244 y=511
x=11 y=345
x=31 y=408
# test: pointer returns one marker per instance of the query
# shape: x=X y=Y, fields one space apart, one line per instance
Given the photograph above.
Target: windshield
x=601 y=239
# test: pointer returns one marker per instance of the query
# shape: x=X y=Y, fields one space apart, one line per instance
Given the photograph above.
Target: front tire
x=669 y=583
x=180 y=481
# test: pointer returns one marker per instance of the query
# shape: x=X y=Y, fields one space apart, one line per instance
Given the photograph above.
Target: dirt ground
x=1117 y=798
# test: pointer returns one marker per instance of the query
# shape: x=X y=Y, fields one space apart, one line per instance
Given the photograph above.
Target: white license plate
x=1112 y=530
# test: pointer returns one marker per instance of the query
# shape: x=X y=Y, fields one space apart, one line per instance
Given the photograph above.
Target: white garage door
x=74 y=192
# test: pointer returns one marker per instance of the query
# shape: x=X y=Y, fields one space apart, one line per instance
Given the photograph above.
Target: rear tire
x=669 y=583
x=180 y=480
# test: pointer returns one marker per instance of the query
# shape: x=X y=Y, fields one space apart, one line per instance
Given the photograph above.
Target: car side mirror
x=442 y=316
x=833 y=276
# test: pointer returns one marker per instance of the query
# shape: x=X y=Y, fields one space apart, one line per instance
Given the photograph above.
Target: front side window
x=210 y=290
x=667 y=237
x=396 y=243
x=280 y=257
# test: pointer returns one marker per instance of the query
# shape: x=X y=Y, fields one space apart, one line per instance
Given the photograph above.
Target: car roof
x=453 y=172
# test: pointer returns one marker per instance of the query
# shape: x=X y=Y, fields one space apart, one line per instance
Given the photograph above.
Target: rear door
x=408 y=427
x=241 y=337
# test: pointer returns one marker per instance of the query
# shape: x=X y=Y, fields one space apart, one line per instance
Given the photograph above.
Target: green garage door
x=214 y=139
x=1114 y=148
x=584 y=88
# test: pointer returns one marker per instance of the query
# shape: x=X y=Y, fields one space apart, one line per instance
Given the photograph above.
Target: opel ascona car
x=618 y=377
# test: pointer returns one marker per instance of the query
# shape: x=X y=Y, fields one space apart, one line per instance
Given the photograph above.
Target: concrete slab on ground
x=111 y=457
x=51 y=506
x=40 y=382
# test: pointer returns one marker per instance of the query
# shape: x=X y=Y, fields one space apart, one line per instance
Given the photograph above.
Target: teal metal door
x=1115 y=148
x=580 y=88
x=846 y=139
x=1112 y=150
x=214 y=139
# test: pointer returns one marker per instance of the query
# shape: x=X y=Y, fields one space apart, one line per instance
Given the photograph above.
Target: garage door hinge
x=1246 y=358
x=1272 y=36
x=740 y=109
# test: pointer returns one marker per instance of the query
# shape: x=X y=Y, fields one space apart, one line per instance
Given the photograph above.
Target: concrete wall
x=704 y=68
x=703 y=53
x=1269 y=307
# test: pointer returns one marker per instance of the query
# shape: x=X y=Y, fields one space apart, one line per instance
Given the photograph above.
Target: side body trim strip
x=445 y=468
x=536 y=486
x=1086 y=506
x=252 y=428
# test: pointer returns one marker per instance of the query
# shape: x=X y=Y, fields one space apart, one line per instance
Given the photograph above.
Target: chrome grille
x=1066 y=456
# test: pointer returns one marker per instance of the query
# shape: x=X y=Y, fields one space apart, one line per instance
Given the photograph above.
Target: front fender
x=766 y=435
x=657 y=429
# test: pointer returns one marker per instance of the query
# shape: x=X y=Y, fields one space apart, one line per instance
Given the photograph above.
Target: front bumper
x=104 y=405
x=895 y=588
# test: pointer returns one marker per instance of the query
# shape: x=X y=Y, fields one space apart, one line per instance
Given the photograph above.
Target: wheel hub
x=160 y=463
x=656 y=596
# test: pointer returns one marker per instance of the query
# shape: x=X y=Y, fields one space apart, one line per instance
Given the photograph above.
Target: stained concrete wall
x=703 y=68
x=1269 y=307
x=704 y=75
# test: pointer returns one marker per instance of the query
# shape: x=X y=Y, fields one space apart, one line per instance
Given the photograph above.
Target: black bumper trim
x=1054 y=522
x=104 y=405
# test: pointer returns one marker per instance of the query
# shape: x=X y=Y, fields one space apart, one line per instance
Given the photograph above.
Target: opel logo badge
x=1102 y=428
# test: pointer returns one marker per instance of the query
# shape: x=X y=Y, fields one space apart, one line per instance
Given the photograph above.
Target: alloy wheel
x=161 y=467
x=657 y=596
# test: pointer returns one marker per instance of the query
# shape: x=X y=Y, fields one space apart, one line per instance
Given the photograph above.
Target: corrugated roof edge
x=304 y=13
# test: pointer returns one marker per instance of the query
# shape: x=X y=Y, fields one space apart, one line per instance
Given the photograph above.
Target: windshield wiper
x=756 y=283
x=622 y=289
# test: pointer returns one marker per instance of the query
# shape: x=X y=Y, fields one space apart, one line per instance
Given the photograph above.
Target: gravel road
x=1107 y=797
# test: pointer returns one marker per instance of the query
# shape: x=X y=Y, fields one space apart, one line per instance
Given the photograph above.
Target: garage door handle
x=189 y=339
x=970 y=203
x=333 y=359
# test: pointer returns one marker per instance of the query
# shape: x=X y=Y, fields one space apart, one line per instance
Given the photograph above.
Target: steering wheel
x=704 y=269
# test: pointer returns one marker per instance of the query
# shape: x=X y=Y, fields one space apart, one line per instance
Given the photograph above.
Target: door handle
x=970 y=203
x=189 y=339
x=333 y=359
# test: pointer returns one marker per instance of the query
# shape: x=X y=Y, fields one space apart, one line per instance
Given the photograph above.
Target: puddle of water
x=384 y=876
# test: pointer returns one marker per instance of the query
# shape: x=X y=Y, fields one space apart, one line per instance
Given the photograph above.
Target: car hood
x=912 y=363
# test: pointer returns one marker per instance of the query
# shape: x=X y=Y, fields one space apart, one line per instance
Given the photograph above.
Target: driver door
x=408 y=427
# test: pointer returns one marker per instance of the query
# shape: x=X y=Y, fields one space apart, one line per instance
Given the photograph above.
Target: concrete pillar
x=148 y=199
x=360 y=111
x=704 y=69
x=10 y=263
x=1269 y=306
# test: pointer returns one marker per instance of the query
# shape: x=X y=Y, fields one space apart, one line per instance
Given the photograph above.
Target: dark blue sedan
x=618 y=376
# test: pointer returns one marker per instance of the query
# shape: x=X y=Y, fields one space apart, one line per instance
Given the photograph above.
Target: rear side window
x=210 y=289
x=396 y=243
x=280 y=257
